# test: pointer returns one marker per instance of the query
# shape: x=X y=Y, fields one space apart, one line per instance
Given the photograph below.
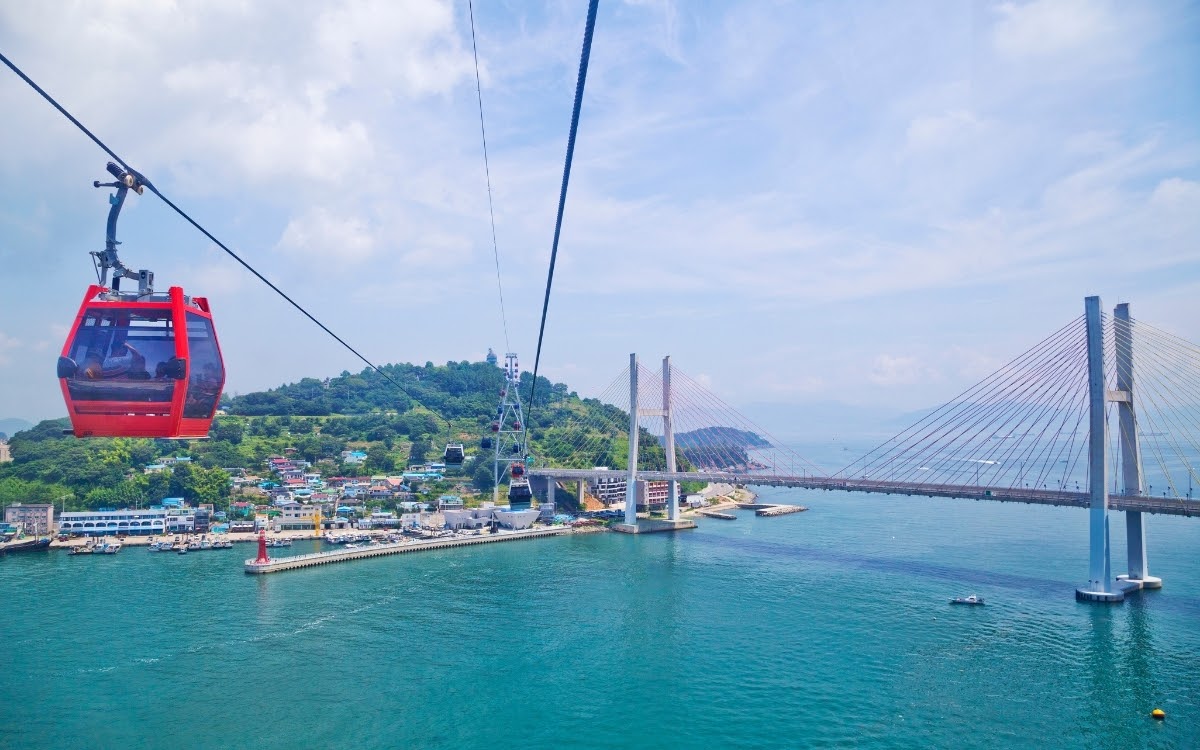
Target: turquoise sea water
x=830 y=628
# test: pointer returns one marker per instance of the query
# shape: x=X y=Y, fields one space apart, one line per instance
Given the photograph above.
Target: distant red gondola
x=139 y=364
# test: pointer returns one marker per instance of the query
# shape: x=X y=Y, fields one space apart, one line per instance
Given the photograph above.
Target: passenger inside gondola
x=122 y=356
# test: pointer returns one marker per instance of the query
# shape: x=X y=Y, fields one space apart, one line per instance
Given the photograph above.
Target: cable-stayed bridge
x=1104 y=414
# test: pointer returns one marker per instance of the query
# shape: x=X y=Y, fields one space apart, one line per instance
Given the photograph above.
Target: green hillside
x=317 y=420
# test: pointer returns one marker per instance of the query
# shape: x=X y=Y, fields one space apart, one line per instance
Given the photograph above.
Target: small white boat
x=972 y=600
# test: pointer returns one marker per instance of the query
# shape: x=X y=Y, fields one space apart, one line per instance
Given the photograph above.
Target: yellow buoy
x=1159 y=714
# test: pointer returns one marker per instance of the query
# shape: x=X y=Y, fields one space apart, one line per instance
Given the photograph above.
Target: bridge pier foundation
x=1135 y=536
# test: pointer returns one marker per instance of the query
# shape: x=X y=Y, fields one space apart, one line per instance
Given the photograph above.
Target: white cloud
x=933 y=131
x=892 y=370
x=329 y=240
x=7 y=345
x=1047 y=28
x=922 y=161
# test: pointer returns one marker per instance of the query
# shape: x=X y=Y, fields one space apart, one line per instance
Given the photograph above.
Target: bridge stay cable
x=924 y=430
x=1037 y=393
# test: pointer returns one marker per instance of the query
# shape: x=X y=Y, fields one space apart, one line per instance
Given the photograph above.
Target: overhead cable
x=487 y=171
x=562 y=196
x=152 y=188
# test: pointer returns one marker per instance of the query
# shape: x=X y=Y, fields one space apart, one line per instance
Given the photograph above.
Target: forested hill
x=315 y=420
x=455 y=391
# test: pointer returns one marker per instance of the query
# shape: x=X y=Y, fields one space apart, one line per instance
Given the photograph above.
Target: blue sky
x=868 y=203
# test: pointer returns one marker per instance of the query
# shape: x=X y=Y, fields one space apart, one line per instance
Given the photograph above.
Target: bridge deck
x=1174 y=506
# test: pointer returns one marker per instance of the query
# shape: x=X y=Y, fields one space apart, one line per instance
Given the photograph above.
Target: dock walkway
x=295 y=562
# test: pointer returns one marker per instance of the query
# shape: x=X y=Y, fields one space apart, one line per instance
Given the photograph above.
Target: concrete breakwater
x=717 y=514
x=295 y=562
x=779 y=510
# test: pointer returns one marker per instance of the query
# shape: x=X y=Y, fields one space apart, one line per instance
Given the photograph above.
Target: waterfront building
x=102 y=522
x=651 y=495
x=607 y=490
x=516 y=519
x=463 y=519
x=37 y=518
x=380 y=519
x=294 y=516
x=180 y=520
x=450 y=502
x=202 y=520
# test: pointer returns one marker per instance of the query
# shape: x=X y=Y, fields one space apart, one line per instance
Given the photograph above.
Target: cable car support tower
x=510 y=447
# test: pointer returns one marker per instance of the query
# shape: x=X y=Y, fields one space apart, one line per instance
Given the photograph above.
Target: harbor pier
x=296 y=562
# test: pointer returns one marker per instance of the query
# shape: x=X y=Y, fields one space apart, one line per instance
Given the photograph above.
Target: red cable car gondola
x=517 y=469
x=139 y=364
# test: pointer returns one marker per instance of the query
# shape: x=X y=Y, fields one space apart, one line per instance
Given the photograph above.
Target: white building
x=517 y=519
x=181 y=520
x=294 y=516
x=102 y=522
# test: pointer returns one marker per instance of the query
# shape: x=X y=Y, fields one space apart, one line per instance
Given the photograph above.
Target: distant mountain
x=707 y=436
x=13 y=425
x=718 y=447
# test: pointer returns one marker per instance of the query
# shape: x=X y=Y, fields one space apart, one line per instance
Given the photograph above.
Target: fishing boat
x=108 y=548
x=971 y=600
x=86 y=549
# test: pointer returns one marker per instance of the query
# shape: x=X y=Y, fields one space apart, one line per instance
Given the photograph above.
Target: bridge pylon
x=1131 y=459
x=673 y=522
x=1100 y=586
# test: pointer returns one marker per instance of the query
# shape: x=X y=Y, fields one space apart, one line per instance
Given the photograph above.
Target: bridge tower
x=1100 y=586
x=636 y=411
x=1131 y=459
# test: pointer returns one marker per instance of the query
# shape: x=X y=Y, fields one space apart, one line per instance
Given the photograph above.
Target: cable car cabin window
x=207 y=374
x=122 y=356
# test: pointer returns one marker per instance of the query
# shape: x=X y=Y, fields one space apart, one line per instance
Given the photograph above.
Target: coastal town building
x=180 y=520
x=37 y=518
x=607 y=490
x=294 y=516
x=651 y=495
x=104 y=522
